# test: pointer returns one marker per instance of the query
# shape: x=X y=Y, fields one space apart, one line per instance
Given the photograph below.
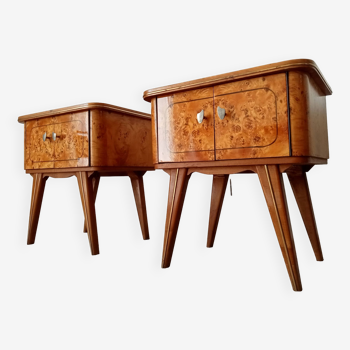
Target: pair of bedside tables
x=266 y=120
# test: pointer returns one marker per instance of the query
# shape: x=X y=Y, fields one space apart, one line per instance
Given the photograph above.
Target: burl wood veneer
x=87 y=141
x=266 y=120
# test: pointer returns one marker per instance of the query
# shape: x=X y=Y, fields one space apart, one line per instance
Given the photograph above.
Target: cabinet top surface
x=305 y=65
x=83 y=107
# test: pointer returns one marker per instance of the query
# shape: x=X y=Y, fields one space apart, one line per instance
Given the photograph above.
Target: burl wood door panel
x=181 y=137
x=70 y=149
x=120 y=140
x=255 y=124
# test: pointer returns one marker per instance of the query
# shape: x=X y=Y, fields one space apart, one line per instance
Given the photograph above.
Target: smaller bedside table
x=87 y=141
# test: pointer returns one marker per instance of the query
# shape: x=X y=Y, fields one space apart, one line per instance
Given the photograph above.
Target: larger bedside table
x=267 y=120
x=87 y=141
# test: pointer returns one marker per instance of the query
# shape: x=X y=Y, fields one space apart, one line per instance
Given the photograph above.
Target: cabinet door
x=69 y=143
x=70 y=148
x=181 y=136
x=254 y=118
x=41 y=148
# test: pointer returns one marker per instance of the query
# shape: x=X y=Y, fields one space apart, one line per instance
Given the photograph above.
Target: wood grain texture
x=120 y=140
x=177 y=191
x=304 y=65
x=308 y=117
x=302 y=195
x=256 y=120
x=87 y=199
x=192 y=95
x=272 y=184
x=180 y=136
x=39 y=181
x=136 y=179
x=217 y=199
x=70 y=149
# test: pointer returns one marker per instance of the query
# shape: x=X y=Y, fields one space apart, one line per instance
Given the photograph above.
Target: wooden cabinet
x=266 y=120
x=254 y=122
x=87 y=141
x=280 y=113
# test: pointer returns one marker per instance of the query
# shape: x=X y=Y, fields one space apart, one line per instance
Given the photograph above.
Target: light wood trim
x=284 y=66
x=83 y=107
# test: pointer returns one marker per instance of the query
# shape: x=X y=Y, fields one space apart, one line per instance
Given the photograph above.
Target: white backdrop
x=55 y=295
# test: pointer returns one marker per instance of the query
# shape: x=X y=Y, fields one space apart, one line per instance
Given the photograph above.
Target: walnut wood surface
x=308 y=117
x=217 y=199
x=136 y=179
x=120 y=140
x=272 y=184
x=180 y=136
x=70 y=149
x=38 y=188
x=256 y=119
x=87 y=199
x=301 y=192
x=177 y=191
x=95 y=183
x=305 y=65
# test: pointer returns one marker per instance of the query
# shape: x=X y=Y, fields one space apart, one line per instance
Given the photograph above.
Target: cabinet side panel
x=308 y=117
x=154 y=130
x=120 y=140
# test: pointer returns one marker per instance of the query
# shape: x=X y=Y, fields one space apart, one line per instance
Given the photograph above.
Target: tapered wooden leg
x=217 y=198
x=177 y=191
x=95 y=183
x=37 y=197
x=272 y=184
x=87 y=199
x=139 y=194
x=301 y=192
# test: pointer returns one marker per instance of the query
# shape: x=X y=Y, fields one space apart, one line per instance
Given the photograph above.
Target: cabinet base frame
x=88 y=181
x=271 y=180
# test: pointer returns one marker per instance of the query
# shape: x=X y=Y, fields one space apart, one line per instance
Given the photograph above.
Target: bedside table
x=266 y=120
x=87 y=141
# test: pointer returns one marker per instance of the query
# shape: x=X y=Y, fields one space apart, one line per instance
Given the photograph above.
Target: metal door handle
x=221 y=113
x=200 y=116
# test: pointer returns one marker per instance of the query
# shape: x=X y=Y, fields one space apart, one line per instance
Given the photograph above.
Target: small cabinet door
x=251 y=118
x=69 y=143
x=182 y=134
x=41 y=148
x=66 y=143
